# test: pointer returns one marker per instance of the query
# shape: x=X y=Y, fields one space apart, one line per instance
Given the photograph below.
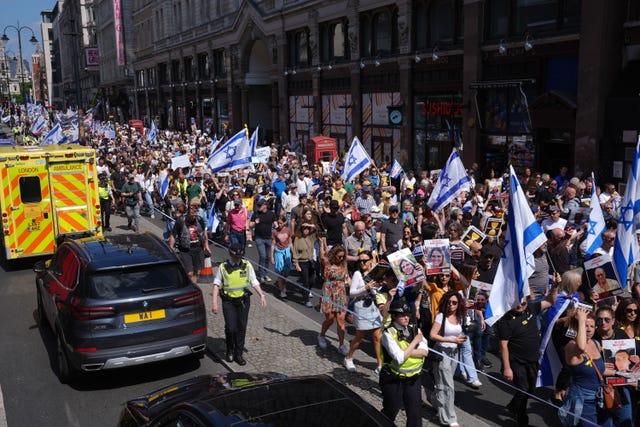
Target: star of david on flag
x=596 y=222
x=625 y=249
x=524 y=236
x=234 y=154
x=153 y=133
x=357 y=160
x=452 y=181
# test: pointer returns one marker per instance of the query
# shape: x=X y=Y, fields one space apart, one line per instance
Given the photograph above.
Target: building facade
x=533 y=84
x=44 y=91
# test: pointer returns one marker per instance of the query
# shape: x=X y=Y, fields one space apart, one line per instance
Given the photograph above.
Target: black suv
x=119 y=301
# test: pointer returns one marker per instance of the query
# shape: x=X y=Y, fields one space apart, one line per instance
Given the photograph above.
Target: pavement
x=281 y=339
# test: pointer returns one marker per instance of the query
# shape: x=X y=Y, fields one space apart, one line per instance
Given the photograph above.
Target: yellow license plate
x=143 y=316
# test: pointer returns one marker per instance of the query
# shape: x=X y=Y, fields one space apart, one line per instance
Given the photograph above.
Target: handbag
x=434 y=357
x=608 y=393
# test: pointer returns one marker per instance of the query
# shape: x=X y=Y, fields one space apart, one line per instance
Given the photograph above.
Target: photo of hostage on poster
x=438 y=256
x=405 y=267
x=602 y=277
x=620 y=355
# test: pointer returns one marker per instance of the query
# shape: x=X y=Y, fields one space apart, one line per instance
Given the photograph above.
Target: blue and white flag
x=396 y=170
x=234 y=154
x=524 y=235
x=596 y=222
x=333 y=167
x=153 y=133
x=54 y=136
x=164 y=184
x=38 y=125
x=213 y=222
x=451 y=181
x=74 y=135
x=6 y=119
x=356 y=161
x=254 y=140
x=214 y=144
x=625 y=249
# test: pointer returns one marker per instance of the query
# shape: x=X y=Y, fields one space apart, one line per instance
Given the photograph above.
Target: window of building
x=219 y=69
x=513 y=18
x=299 y=48
x=176 y=71
x=333 y=41
x=203 y=66
x=379 y=32
x=439 y=22
x=162 y=73
x=189 y=68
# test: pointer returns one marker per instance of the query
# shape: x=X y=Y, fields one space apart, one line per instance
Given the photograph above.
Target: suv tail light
x=194 y=298
x=90 y=313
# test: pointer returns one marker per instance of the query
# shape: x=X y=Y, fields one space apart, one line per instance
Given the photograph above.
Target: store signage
x=434 y=108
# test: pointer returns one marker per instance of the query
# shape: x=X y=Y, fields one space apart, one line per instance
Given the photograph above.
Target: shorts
x=193 y=260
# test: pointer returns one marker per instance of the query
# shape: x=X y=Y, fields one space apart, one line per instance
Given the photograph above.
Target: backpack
x=184 y=240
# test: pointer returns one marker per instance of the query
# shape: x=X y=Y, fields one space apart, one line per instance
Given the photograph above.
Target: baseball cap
x=394 y=208
x=554 y=209
x=131 y=176
x=237 y=202
x=261 y=202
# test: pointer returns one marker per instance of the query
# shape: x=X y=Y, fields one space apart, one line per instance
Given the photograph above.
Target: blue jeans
x=466 y=356
x=264 y=253
x=480 y=343
x=238 y=237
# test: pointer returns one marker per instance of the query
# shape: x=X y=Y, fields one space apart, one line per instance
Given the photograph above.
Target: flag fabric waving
x=625 y=249
x=38 y=125
x=213 y=222
x=164 y=184
x=153 y=133
x=54 y=136
x=451 y=181
x=234 y=154
x=396 y=170
x=356 y=161
x=524 y=235
x=254 y=140
x=596 y=222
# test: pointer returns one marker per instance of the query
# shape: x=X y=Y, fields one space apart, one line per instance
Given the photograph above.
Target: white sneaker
x=152 y=216
x=475 y=384
x=348 y=363
x=322 y=342
x=343 y=349
x=283 y=294
x=308 y=304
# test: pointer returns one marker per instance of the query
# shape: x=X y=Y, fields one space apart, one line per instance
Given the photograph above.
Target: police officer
x=106 y=198
x=232 y=282
x=403 y=352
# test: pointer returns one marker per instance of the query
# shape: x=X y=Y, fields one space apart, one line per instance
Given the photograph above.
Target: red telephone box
x=321 y=149
x=138 y=125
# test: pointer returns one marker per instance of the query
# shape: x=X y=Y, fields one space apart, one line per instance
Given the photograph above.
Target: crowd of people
x=305 y=220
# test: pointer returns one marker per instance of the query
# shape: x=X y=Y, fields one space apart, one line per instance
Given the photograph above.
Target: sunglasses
x=631 y=310
x=452 y=302
x=445 y=275
x=603 y=320
x=364 y=260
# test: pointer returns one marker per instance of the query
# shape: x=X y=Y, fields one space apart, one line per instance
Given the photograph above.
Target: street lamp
x=4 y=40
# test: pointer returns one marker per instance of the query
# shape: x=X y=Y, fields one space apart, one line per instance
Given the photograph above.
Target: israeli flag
x=55 y=136
x=596 y=222
x=6 y=119
x=334 y=166
x=356 y=161
x=396 y=170
x=213 y=222
x=254 y=140
x=153 y=133
x=625 y=249
x=74 y=135
x=234 y=154
x=452 y=181
x=524 y=235
x=38 y=125
x=164 y=184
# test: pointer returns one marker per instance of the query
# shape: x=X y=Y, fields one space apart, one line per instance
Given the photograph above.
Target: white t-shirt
x=450 y=331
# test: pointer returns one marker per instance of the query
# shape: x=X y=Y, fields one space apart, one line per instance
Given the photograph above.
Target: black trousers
x=524 y=378
x=236 y=316
x=306 y=274
x=396 y=392
x=105 y=212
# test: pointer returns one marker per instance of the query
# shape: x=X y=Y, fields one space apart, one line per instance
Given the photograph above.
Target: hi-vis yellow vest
x=235 y=282
x=103 y=192
x=411 y=366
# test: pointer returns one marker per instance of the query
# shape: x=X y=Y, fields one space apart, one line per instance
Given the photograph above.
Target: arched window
x=338 y=41
x=379 y=32
x=514 y=18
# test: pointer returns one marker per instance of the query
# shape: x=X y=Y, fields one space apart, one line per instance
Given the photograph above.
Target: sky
x=27 y=13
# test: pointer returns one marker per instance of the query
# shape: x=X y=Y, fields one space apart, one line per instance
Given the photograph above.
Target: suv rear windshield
x=134 y=282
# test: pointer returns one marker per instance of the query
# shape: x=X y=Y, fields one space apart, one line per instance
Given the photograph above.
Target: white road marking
x=3 y=414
